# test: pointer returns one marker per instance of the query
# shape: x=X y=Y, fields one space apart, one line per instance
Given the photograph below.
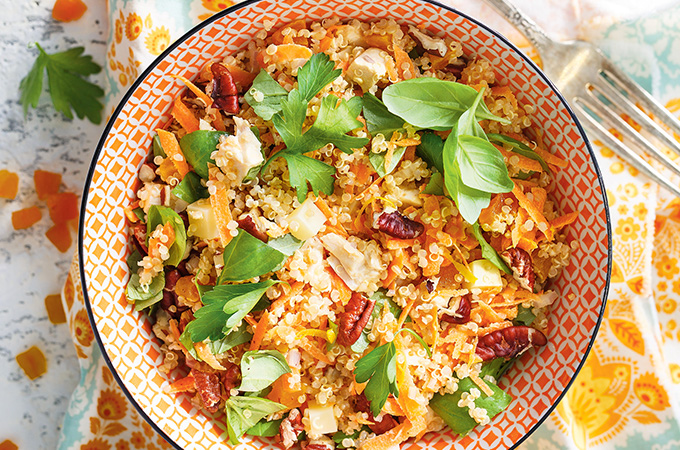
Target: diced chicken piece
x=357 y=269
x=321 y=420
x=150 y=195
x=237 y=154
x=306 y=220
x=487 y=276
x=429 y=42
x=346 y=253
x=202 y=222
x=369 y=67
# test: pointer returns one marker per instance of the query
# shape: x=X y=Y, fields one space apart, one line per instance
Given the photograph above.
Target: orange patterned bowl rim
x=537 y=382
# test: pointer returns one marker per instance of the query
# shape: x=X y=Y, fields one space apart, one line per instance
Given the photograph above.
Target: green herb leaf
x=339 y=436
x=431 y=150
x=259 y=369
x=145 y=296
x=315 y=75
x=524 y=316
x=190 y=188
x=197 y=148
x=377 y=160
x=303 y=169
x=436 y=185
x=432 y=103
x=488 y=252
x=160 y=215
x=246 y=257
x=238 y=422
x=379 y=120
x=520 y=148
x=379 y=368
x=381 y=300
x=336 y=118
x=497 y=367
x=273 y=94
x=234 y=338
x=224 y=307
x=482 y=166
x=157 y=148
x=458 y=418
x=265 y=428
x=286 y=244
x=68 y=88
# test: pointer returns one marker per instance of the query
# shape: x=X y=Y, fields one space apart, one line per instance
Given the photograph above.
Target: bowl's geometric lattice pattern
x=539 y=379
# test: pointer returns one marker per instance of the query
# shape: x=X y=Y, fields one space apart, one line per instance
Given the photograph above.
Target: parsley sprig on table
x=288 y=112
x=69 y=90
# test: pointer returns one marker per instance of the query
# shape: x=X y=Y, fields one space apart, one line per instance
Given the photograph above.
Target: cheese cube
x=306 y=220
x=321 y=420
x=202 y=222
x=487 y=275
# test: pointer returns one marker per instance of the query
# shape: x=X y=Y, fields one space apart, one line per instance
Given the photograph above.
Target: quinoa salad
x=345 y=236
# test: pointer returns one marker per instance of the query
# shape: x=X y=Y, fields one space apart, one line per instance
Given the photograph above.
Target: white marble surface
x=30 y=266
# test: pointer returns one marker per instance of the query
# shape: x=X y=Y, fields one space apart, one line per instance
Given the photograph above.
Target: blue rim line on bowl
x=217 y=16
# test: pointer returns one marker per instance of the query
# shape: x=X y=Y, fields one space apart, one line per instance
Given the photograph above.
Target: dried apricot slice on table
x=25 y=218
x=60 y=236
x=32 y=362
x=63 y=207
x=46 y=183
x=68 y=10
x=55 y=309
x=9 y=184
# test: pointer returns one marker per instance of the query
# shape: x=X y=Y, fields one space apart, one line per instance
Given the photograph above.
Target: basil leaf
x=524 y=316
x=379 y=120
x=286 y=244
x=143 y=297
x=246 y=257
x=468 y=123
x=234 y=338
x=160 y=215
x=132 y=261
x=315 y=74
x=259 y=369
x=436 y=185
x=482 y=166
x=157 y=147
x=488 y=252
x=272 y=93
x=265 y=428
x=377 y=160
x=458 y=418
x=190 y=188
x=496 y=367
x=238 y=423
x=520 y=148
x=432 y=103
x=431 y=150
x=197 y=148
x=212 y=322
x=139 y=212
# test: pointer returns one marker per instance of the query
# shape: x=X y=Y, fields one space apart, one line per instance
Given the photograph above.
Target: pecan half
x=290 y=428
x=398 y=226
x=462 y=314
x=169 y=302
x=208 y=387
x=224 y=92
x=520 y=263
x=354 y=319
x=249 y=225
x=386 y=422
x=315 y=446
x=509 y=342
x=230 y=378
x=138 y=231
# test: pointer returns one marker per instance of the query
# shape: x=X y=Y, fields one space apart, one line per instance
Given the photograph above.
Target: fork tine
x=629 y=133
x=624 y=152
x=622 y=81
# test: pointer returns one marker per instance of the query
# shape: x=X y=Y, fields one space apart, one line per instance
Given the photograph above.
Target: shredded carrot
x=547 y=156
x=522 y=162
x=338 y=285
x=404 y=313
x=563 y=221
x=220 y=204
x=504 y=91
x=240 y=76
x=206 y=355
x=260 y=330
x=540 y=196
x=174 y=151
x=183 y=384
x=184 y=116
x=205 y=98
x=295 y=289
x=323 y=206
x=534 y=213
x=252 y=322
x=481 y=383
x=398 y=256
x=310 y=348
x=405 y=65
x=129 y=214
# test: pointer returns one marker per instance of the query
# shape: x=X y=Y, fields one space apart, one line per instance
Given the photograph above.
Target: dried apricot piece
x=55 y=309
x=32 y=362
x=8 y=445
x=63 y=207
x=46 y=183
x=25 y=218
x=68 y=10
x=9 y=184
x=60 y=236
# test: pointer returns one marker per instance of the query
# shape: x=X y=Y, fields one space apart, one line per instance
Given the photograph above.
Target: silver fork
x=585 y=77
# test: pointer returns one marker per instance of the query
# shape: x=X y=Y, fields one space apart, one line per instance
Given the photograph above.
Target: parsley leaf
x=379 y=368
x=67 y=87
x=315 y=75
x=336 y=118
x=246 y=257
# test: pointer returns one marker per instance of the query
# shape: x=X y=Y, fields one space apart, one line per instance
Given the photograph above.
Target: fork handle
x=523 y=23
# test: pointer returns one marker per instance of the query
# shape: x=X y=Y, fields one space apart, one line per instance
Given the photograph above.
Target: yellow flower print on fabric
x=118 y=30
x=82 y=330
x=623 y=209
x=158 y=40
x=137 y=440
x=95 y=444
x=648 y=390
x=630 y=190
x=640 y=211
x=616 y=168
x=216 y=5
x=676 y=286
x=666 y=304
x=122 y=445
x=133 y=26
x=675 y=372
x=667 y=267
x=111 y=405
x=627 y=229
